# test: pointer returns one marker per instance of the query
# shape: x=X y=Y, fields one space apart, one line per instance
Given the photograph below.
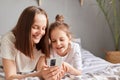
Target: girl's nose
x=58 y=42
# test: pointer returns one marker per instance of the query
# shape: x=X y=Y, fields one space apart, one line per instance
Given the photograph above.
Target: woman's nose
x=41 y=31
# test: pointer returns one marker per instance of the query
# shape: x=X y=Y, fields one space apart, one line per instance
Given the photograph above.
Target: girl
x=63 y=46
x=24 y=48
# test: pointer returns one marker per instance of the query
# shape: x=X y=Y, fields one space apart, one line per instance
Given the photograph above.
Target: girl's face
x=60 y=41
x=38 y=27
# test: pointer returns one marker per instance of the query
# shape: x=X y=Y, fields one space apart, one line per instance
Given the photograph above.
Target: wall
x=86 y=22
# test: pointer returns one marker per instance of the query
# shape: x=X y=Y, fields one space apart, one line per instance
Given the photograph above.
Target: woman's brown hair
x=22 y=32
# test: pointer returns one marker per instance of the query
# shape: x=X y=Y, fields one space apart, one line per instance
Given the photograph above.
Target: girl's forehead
x=58 y=32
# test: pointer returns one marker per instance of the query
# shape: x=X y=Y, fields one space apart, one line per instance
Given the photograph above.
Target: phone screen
x=52 y=62
x=56 y=61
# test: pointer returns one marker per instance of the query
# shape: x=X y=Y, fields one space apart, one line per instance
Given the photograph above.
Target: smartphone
x=52 y=62
x=57 y=61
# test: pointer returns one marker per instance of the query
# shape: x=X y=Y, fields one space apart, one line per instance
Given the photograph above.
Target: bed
x=1 y=68
x=94 y=68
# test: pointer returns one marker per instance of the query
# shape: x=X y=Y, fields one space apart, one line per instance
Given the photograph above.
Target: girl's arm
x=76 y=60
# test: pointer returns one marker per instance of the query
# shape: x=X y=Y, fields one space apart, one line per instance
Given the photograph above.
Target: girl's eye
x=61 y=39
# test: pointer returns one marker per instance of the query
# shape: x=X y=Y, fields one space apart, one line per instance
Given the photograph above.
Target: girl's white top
x=73 y=57
x=8 y=51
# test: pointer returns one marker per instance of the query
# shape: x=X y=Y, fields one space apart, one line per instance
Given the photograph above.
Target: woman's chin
x=36 y=41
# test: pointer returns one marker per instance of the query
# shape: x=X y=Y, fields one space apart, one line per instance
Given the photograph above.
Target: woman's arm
x=48 y=73
x=9 y=67
x=41 y=63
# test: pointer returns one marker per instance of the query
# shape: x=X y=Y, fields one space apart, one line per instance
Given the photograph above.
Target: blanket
x=94 y=68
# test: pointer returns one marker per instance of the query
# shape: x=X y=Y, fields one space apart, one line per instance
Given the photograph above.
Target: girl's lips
x=59 y=48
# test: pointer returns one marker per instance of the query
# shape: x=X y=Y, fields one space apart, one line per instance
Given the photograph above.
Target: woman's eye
x=35 y=27
x=43 y=28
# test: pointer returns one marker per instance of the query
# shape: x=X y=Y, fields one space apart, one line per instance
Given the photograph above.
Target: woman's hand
x=48 y=73
x=51 y=73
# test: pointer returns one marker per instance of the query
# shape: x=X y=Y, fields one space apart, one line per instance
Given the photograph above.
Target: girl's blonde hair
x=59 y=23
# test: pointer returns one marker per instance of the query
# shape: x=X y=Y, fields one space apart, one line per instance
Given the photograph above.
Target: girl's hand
x=61 y=74
x=67 y=68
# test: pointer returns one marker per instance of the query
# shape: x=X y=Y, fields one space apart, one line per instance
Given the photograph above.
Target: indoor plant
x=111 y=11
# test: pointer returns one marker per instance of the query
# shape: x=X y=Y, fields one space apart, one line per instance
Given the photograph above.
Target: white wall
x=86 y=22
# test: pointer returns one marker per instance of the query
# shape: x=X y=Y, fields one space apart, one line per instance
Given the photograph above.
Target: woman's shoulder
x=9 y=36
x=7 y=46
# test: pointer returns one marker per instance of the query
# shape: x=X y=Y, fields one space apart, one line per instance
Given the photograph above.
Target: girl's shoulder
x=75 y=47
x=74 y=44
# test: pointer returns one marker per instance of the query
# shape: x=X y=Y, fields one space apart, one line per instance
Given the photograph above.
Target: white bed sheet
x=95 y=68
x=92 y=63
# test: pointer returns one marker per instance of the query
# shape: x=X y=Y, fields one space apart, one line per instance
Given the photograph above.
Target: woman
x=24 y=47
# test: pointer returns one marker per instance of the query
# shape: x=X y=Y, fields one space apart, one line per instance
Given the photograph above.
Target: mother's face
x=38 y=27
